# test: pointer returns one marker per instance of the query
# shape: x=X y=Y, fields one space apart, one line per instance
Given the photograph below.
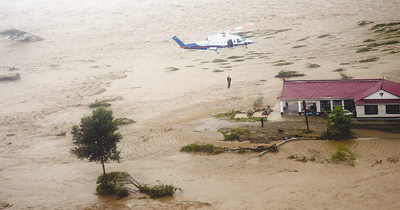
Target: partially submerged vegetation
x=373 y=59
x=282 y=63
x=234 y=134
x=345 y=76
x=344 y=154
x=231 y=116
x=99 y=104
x=204 y=148
x=288 y=74
x=313 y=65
x=172 y=68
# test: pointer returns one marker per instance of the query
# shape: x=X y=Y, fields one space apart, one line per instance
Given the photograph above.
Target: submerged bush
x=159 y=190
x=112 y=184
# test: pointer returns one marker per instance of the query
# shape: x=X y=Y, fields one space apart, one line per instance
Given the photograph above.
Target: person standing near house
x=229 y=79
x=262 y=121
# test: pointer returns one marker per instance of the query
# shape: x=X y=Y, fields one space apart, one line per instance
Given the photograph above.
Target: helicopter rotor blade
x=239 y=28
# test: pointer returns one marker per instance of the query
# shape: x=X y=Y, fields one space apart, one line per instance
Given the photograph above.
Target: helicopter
x=221 y=40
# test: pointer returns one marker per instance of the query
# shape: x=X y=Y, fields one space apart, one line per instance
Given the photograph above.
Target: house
x=368 y=98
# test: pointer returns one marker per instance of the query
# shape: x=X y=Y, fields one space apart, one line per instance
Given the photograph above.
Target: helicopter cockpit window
x=239 y=41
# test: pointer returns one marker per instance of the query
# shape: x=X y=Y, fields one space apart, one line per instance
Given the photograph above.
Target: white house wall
x=381 y=111
x=381 y=94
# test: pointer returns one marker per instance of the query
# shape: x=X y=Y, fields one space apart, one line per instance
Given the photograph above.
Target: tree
x=95 y=138
x=338 y=125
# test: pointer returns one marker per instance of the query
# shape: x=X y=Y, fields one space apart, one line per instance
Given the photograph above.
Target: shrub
x=287 y=74
x=159 y=190
x=112 y=184
x=344 y=154
x=338 y=125
x=230 y=136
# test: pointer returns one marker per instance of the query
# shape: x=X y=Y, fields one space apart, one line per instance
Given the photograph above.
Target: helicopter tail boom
x=179 y=41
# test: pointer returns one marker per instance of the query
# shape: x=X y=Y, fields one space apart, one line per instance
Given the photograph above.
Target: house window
x=370 y=109
x=349 y=105
x=392 y=109
x=325 y=105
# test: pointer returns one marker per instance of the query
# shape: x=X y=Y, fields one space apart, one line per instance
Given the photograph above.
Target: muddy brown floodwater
x=122 y=52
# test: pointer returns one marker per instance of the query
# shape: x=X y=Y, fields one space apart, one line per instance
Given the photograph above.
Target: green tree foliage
x=95 y=138
x=338 y=125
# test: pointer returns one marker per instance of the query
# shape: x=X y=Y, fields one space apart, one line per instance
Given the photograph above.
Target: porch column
x=299 y=103
x=342 y=104
x=331 y=105
x=281 y=102
x=318 y=106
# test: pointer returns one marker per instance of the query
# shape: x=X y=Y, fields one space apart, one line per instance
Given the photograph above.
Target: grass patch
x=205 y=148
x=364 y=49
x=234 y=134
x=303 y=39
x=391 y=30
x=323 y=36
x=235 y=57
x=238 y=60
x=373 y=59
x=369 y=40
x=219 y=60
x=344 y=154
x=381 y=25
x=231 y=114
x=299 y=46
x=383 y=43
x=218 y=70
x=312 y=65
x=288 y=74
x=393 y=159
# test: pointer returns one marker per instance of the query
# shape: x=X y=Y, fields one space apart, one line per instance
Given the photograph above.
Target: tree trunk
x=104 y=168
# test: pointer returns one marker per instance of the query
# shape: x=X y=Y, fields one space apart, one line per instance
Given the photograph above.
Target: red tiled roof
x=386 y=85
x=319 y=89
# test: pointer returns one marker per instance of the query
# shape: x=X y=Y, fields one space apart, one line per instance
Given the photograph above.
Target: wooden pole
x=305 y=113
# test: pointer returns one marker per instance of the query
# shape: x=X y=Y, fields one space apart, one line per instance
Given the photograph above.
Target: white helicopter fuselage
x=220 y=40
